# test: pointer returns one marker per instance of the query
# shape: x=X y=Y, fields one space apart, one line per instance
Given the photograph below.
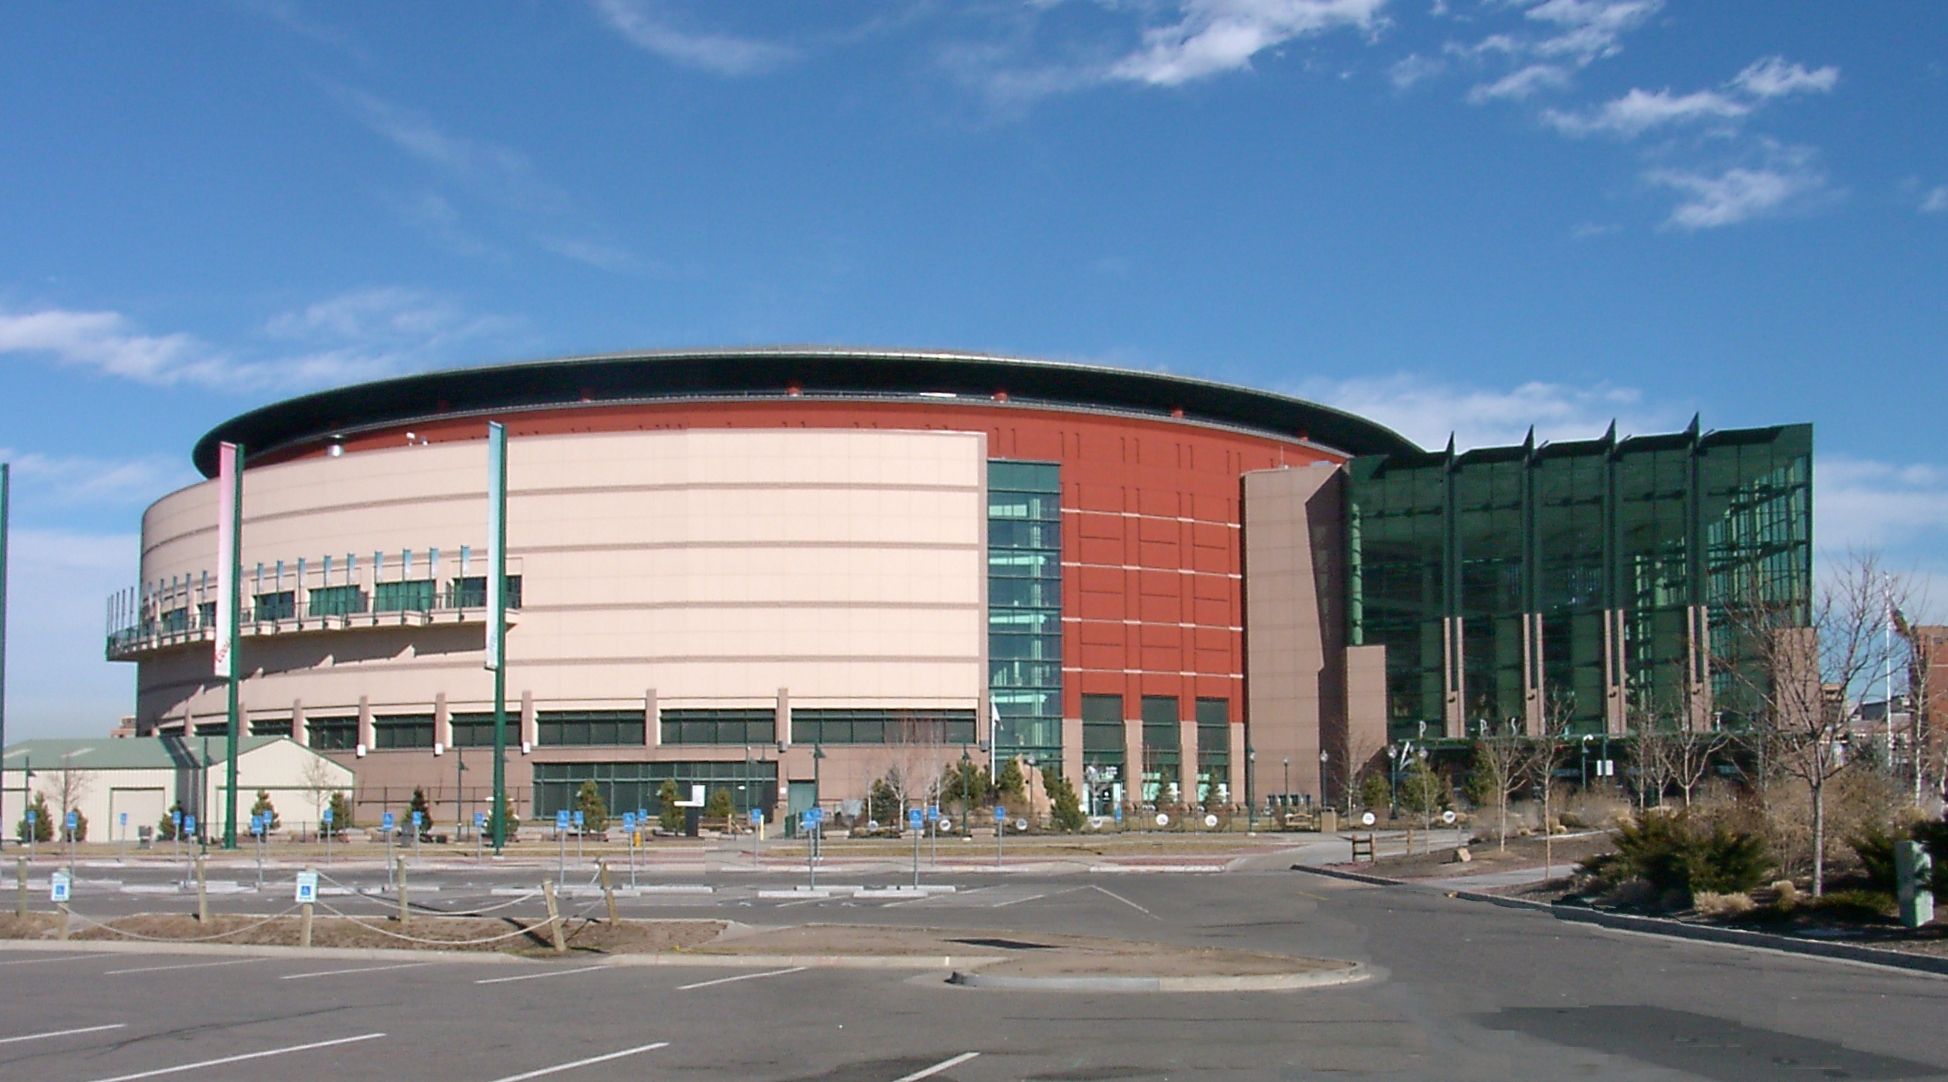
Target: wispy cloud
x=1586 y=30
x=1415 y=68
x=1786 y=179
x=1216 y=36
x=83 y=481
x=58 y=684
x=1427 y=410
x=1641 y=110
x=365 y=334
x=719 y=54
x=1936 y=201
x=1520 y=84
x=494 y=174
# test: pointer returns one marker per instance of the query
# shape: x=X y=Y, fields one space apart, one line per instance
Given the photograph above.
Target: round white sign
x=1366 y=819
x=1021 y=824
x=1210 y=820
x=1447 y=817
x=1163 y=820
x=1097 y=822
x=946 y=824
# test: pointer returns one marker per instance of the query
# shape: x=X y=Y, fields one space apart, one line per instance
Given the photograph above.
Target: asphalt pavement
x=1460 y=990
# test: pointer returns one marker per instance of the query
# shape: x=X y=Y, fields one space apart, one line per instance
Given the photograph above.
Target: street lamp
x=1324 y=757
x=966 y=782
x=1251 y=811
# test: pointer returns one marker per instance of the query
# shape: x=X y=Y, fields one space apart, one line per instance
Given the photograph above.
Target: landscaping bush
x=1675 y=852
x=1874 y=845
x=1853 y=905
x=1066 y=806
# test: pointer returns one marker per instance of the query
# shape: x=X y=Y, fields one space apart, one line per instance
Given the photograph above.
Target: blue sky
x=1467 y=216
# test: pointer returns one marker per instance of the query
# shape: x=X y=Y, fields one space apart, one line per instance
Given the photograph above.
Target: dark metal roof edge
x=317 y=415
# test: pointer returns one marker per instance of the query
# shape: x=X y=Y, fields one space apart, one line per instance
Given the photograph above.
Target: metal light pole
x=1251 y=799
x=1324 y=758
x=230 y=470
x=966 y=782
x=6 y=485
x=497 y=616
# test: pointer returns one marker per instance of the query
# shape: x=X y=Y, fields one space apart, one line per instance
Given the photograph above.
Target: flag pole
x=497 y=615
x=230 y=461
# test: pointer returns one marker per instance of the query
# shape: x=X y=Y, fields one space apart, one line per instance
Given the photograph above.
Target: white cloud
x=1773 y=78
x=1518 y=85
x=1217 y=36
x=720 y=54
x=1413 y=69
x=1427 y=410
x=1935 y=201
x=365 y=334
x=1899 y=510
x=1590 y=28
x=1785 y=181
x=1639 y=111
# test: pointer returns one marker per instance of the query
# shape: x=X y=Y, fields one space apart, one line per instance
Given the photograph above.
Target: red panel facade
x=1153 y=599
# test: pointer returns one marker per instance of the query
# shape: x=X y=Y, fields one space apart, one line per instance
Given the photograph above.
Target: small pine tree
x=883 y=803
x=425 y=810
x=43 y=828
x=979 y=785
x=166 y=830
x=720 y=805
x=1067 y=806
x=1011 y=783
x=1374 y=793
x=595 y=810
x=80 y=830
x=506 y=813
x=1423 y=790
x=668 y=816
x=263 y=807
x=341 y=812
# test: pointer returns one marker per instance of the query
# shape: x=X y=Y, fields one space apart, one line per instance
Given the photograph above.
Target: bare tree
x=916 y=759
x=1797 y=677
x=71 y=787
x=320 y=783
x=1656 y=746
x=1502 y=762
x=1690 y=754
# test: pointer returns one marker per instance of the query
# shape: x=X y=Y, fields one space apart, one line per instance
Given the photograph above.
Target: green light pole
x=230 y=459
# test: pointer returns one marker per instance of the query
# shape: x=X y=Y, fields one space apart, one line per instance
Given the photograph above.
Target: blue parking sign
x=933 y=813
x=189 y=823
x=561 y=819
x=1000 y=814
x=757 y=816
x=73 y=820
x=628 y=820
x=386 y=822
x=326 y=816
x=578 y=819
x=914 y=817
x=479 y=820
x=417 y=817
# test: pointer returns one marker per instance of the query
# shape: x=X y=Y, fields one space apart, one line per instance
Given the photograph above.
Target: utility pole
x=229 y=543
x=497 y=615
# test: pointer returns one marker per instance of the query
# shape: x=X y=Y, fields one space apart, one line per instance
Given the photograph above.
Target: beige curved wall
x=708 y=567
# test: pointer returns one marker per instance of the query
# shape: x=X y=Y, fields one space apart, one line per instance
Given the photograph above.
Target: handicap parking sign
x=757 y=816
x=1000 y=814
x=386 y=822
x=914 y=817
x=416 y=820
x=307 y=887
x=578 y=819
x=57 y=885
x=628 y=821
x=73 y=821
x=479 y=820
x=561 y=819
x=933 y=813
x=189 y=823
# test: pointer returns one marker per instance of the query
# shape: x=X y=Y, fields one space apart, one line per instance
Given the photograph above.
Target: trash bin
x=1328 y=821
x=692 y=818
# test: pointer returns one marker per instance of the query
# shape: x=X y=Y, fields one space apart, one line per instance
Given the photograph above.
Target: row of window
x=1102 y=729
x=624 y=728
x=408 y=595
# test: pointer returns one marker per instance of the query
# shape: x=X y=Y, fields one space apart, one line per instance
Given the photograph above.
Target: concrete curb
x=1257 y=982
x=1676 y=929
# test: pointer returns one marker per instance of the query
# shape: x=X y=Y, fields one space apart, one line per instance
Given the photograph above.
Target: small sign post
x=757 y=831
x=73 y=821
x=386 y=824
x=933 y=829
x=32 y=819
x=579 y=822
x=176 y=822
x=629 y=834
x=122 y=820
x=257 y=843
x=325 y=818
x=418 y=818
x=479 y=825
x=916 y=822
x=307 y=895
x=561 y=846
x=1000 y=828
x=58 y=893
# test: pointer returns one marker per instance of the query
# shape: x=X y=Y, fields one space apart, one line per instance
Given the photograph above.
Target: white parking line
x=39 y=961
x=1122 y=899
x=62 y=1032
x=185 y=965
x=538 y=976
x=1012 y=901
x=239 y=1059
x=572 y=1066
x=361 y=969
x=740 y=977
x=926 y=1072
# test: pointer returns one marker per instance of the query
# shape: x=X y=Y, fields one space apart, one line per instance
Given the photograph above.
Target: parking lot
x=1459 y=990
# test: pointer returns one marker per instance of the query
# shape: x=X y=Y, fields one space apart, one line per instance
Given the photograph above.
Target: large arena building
x=788 y=572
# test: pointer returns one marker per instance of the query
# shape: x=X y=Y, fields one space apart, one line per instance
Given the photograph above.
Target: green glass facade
x=1025 y=608
x=1569 y=584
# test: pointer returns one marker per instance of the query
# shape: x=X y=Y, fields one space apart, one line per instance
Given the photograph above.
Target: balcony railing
x=393 y=590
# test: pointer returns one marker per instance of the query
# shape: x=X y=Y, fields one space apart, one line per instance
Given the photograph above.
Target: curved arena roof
x=816 y=372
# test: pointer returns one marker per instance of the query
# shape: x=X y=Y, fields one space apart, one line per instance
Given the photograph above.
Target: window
x=412 y=595
x=213 y=728
x=1102 y=728
x=174 y=622
x=633 y=785
x=882 y=726
x=585 y=728
x=1025 y=607
x=332 y=734
x=477 y=730
x=279 y=605
x=271 y=727
x=471 y=592
x=403 y=731
x=337 y=601
x=748 y=726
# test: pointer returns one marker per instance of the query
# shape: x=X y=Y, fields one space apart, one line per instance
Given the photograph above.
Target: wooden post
x=20 y=902
x=202 y=895
x=304 y=927
x=554 y=917
x=608 y=889
x=402 y=891
x=61 y=923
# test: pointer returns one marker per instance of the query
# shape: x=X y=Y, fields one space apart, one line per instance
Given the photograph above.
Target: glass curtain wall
x=1678 y=538
x=1025 y=608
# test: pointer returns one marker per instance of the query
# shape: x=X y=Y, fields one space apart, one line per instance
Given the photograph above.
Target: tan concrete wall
x=715 y=566
x=1294 y=675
